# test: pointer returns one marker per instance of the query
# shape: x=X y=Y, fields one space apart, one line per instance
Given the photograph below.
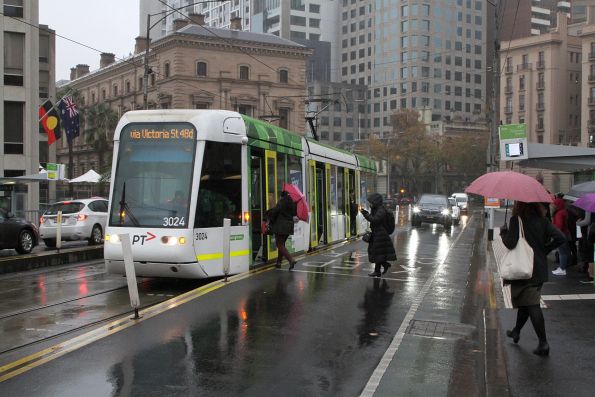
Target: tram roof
x=268 y=136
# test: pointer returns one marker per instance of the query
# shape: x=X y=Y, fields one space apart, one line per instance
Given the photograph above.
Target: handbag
x=517 y=263
x=265 y=227
x=367 y=236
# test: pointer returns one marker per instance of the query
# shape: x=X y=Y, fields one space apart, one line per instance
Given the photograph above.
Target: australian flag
x=69 y=118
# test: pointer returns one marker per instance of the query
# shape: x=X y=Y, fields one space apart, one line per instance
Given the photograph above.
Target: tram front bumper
x=156 y=269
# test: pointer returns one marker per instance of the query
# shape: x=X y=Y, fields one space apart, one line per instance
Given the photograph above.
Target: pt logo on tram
x=142 y=238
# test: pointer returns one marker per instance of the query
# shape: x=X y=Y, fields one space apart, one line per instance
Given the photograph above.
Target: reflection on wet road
x=319 y=330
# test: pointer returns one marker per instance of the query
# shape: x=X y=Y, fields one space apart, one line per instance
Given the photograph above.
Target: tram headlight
x=172 y=240
x=113 y=238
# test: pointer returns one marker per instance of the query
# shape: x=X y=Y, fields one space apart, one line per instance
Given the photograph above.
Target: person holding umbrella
x=281 y=217
x=380 y=247
x=543 y=237
x=560 y=221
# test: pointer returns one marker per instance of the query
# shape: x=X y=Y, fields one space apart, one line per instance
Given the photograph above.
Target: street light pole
x=146 y=68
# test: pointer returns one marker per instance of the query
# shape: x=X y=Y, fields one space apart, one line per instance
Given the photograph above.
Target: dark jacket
x=380 y=247
x=542 y=236
x=281 y=216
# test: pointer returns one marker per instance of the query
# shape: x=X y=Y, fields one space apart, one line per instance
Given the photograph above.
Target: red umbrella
x=511 y=186
x=300 y=201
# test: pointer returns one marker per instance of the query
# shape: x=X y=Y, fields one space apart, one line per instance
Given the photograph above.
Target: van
x=462 y=201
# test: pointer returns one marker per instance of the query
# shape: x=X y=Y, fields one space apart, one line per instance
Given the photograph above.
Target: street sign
x=513 y=142
x=55 y=171
x=489 y=202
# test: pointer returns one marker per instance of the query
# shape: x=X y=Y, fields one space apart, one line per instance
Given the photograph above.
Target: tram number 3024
x=201 y=236
x=174 y=221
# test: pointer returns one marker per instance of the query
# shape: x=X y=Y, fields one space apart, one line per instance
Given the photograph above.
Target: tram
x=177 y=174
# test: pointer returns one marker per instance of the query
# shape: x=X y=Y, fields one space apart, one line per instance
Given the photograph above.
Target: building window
x=166 y=69
x=103 y=93
x=14 y=127
x=244 y=109
x=152 y=79
x=284 y=118
x=201 y=69
x=14 y=58
x=127 y=86
x=13 y=8
x=244 y=73
x=115 y=90
x=201 y=106
x=283 y=76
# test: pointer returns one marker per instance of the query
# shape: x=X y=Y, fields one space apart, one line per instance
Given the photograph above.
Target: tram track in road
x=80 y=328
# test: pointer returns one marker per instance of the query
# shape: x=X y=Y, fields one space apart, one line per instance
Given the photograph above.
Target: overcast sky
x=107 y=25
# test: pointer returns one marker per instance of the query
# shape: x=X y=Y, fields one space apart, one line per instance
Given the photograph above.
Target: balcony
x=508 y=109
x=592 y=78
x=540 y=85
x=539 y=128
x=524 y=66
x=508 y=89
x=508 y=69
x=540 y=64
x=591 y=125
x=591 y=101
x=592 y=56
x=522 y=108
x=540 y=106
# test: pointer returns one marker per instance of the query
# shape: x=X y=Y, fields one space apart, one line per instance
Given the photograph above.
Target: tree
x=100 y=123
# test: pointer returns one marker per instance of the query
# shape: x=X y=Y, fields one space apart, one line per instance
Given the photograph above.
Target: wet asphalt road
x=320 y=330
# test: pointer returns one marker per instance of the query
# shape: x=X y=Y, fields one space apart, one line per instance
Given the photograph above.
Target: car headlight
x=416 y=209
x=445 y=211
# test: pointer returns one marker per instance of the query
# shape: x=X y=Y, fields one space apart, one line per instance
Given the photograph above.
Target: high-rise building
x=529 y=17
x=216 y=14
x=416 y=55
x=19 y=136
x=588 y=93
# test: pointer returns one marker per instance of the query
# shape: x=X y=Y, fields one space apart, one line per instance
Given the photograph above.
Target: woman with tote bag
x=543 y=237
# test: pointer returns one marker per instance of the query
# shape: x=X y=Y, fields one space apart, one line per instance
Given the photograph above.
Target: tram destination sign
x=163 y=134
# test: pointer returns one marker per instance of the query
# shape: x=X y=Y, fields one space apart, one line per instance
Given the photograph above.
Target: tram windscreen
x=153 y=177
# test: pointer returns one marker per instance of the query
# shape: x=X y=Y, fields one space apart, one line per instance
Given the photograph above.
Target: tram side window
x=220 y=188
x=294 y=167
x=333 y=198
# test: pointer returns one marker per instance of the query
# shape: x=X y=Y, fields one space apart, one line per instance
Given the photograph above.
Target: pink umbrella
x=511 y=186
x=300 y=201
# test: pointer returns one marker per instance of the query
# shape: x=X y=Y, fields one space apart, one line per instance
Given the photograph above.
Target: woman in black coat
x=543 y=237
x=282 y=221
x=380 y=246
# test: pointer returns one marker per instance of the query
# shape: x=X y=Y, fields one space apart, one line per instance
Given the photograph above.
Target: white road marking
x=343 y=274
x=568 y=297
x=378 y=373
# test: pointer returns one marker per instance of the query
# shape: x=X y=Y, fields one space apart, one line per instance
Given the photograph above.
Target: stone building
x=198 y=67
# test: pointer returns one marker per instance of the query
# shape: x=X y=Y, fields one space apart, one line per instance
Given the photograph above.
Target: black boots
x=514 y=334
x=543 y=349
x=385 y=265
x=376 y=272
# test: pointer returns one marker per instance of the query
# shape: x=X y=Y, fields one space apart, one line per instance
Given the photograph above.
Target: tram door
x=270 y=197
x=312 y=199
x=257 y=204
x=351 y=202
x=321 y=205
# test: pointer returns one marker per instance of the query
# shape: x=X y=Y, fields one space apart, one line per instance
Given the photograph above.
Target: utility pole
x=146 y=68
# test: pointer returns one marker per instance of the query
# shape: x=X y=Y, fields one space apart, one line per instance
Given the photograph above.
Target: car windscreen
x=433 y=200
x=66 y=208
x=452 y=201
x=461 y=199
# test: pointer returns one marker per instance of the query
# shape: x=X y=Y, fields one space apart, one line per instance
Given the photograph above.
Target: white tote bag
x=517 y=263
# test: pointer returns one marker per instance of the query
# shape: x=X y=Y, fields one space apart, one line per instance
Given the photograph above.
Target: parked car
x=17 y=233
x=455 y=210
x=432 y=208
x=81 y=220
x=462 y=201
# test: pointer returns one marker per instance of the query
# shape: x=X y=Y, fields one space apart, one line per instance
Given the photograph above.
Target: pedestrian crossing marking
x=568 y=297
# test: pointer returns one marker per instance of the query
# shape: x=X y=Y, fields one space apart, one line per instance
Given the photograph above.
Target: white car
x=81 y=220
x=456 y=211
x=462 y=201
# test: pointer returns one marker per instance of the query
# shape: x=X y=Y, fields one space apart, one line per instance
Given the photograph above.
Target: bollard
x=226 y=245
x=491 y=224
x=59 y=231
x=130 y=274
x=397 y=215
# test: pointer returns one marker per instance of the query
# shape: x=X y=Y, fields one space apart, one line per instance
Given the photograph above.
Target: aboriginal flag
x=49 y=122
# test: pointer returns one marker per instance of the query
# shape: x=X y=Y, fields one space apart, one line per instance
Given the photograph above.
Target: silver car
x=81 y=220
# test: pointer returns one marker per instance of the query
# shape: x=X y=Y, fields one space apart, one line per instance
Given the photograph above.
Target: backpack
x=389 y=221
